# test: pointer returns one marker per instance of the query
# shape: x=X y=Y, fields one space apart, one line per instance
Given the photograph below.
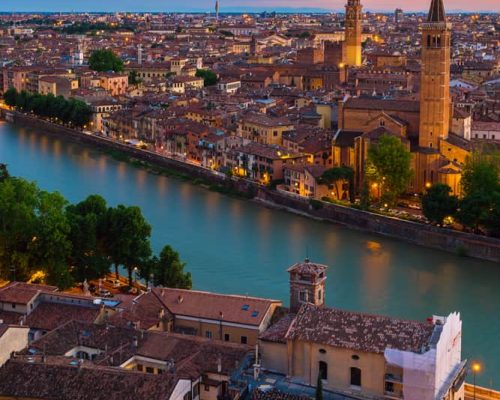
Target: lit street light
x=476 y=367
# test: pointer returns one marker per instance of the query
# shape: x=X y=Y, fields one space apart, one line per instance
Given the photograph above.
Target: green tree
x=147 y=268
x=365 y=198
x=474 y=210
x=87 y=221
x=480 y=175
x=51 y=246
x=18 y=204
x=438 y=203
x=391 y=160
x=168 y=271
x=133 y=78
x=319 y=389
x=4 y=172
x=336 y=175
x=128 y=235
x=105 y=60
x=10 y=97
x=209 y=77
x=492 y=222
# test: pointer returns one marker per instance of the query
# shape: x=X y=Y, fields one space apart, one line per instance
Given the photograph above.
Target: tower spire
x=436 y=12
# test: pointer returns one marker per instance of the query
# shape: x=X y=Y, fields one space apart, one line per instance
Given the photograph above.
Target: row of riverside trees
x=479 y=208
x=388 y=169
x=68 y=243
x=72 y=112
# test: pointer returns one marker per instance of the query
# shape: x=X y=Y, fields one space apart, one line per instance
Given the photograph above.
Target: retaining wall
x=425 y=235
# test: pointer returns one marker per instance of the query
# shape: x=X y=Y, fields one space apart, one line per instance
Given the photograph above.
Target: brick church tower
x=353 y=30
x=307 y=284
x=435 y=104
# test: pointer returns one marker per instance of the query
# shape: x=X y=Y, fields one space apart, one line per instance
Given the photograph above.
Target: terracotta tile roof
x=358 y=331
x=56 y=381
x=275 y=394
x=145 y=309
x=307 y=267
x=459 y=141
x=234 y=308
x=362 y=103
x=49 y=316
x=277 y=332
x=345 y=138
x=9 y=317
x=192 y=354
x=22 y=293
x=264 y=120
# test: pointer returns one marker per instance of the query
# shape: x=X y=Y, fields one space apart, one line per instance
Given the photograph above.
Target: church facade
x=423 y=124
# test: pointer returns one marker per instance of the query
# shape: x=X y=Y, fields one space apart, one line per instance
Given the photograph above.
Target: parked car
x=105 y=293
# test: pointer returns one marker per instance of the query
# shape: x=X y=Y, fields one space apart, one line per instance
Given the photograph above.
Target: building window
x=355 y=357
x=389 y=387
x=303 y=295
x=139 y=368
x=150 y=370
x=382 y=122
x=188 y=396
x=226 y=337
x=323 y=370
x=82 y=355
x=319 y=295
x=322 y=351
x=207 y=388
x=244 y=340
x=208 y=334
x=355 y=376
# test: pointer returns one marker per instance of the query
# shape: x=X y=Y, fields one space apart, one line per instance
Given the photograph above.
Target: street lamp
x=476 y=367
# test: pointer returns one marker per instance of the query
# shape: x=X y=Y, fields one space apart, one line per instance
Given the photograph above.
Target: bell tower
x=435 y=78
x=307 y=284
x=353 y=30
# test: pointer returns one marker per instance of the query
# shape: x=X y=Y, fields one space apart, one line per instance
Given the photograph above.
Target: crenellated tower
x=353 y=31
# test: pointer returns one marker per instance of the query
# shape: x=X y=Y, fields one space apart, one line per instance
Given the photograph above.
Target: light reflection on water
x=236 y=246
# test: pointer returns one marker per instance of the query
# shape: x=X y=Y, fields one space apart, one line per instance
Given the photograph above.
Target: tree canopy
x=480 y=207
x=127 y=240
x=67 y=243
x=339 y=174
x=391 y=161
x=71 y=111
x=438 y=203
x=105 y=60
x=209 y=77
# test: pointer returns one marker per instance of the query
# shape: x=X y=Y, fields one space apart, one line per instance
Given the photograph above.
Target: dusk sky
x=232 y=5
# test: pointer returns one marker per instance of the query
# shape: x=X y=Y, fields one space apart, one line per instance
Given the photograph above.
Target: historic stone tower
x=307 y=284
x=353 y=30
x=435 y=105
x=435 y=77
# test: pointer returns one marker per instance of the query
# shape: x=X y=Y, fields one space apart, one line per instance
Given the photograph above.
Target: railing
x=481 y=393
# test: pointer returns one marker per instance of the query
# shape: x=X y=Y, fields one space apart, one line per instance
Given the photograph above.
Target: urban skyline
x=233 y=6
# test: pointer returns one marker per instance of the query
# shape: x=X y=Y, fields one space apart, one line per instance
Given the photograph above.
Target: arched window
x=355 y=376
x=323 y=370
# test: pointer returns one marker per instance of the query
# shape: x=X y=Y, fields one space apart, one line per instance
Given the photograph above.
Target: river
x=237 y=246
